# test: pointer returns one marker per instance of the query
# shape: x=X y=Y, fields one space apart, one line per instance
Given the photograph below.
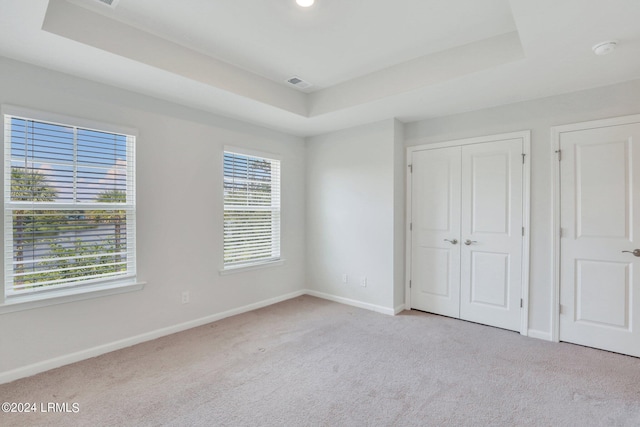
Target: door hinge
x=409 y=284
x=560 y=232
x=523 y=156
x=410 y=226
x=521 y=303
x=410 y=168
x=523 y=231
x=561 y=309
x=559 y=155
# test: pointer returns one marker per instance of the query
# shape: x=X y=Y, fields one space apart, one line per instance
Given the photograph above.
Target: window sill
x=62 y=296
x=249 y=267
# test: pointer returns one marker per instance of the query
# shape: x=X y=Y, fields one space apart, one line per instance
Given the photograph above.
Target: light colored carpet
x=309 y=362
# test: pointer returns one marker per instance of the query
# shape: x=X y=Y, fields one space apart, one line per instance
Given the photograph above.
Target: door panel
x=489 y=179
x=434 y=272
x=435 y=217
x=602 y=293
x=599 y=293
x=594 y=190
x=491 y=218
x=490 y=279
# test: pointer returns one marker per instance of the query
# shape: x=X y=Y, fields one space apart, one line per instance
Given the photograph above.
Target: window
x=251 y=208
x=69 y=207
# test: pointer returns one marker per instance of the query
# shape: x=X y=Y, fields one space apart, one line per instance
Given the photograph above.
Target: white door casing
x=493 y=177
x=599 y=294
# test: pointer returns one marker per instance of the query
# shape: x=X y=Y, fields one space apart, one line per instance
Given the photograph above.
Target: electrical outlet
x=363 y=281
x=185 y=297
x=345 y=278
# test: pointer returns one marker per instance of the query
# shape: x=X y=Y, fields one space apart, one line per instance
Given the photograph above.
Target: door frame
x=556 y=262
x=525 y=137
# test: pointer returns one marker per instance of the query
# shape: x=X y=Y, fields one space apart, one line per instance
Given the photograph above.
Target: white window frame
x=257 y=264
x=81 y=291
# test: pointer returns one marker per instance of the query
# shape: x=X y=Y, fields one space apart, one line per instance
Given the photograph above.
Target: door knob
x=453 y=242
x=468 y=242
x=635 y=252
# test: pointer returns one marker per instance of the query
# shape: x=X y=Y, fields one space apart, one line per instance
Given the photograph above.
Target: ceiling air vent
x=111 y=3
x=298 y=83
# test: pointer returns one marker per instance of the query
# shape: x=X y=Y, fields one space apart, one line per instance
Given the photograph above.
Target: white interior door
x=492 y=233
x=600 y=211
x=435 y=252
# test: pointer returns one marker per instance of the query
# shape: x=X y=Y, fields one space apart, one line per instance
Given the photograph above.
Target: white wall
x=351 y=217
x=343 y=209
x=539 y=116
x=179 y=160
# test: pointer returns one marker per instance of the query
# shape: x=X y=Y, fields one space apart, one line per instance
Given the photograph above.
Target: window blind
x=251 y=209
x=69 y=206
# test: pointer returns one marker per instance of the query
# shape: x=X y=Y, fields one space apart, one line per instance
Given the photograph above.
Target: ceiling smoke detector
x=604 y=47
x=298 y=83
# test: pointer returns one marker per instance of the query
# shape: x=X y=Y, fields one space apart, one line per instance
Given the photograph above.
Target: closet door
x=491 y=233
x=435 y=263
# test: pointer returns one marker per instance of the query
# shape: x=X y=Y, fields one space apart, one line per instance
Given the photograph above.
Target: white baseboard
x=352 y=302
x=399 y=309
x=541 y=335
x=66 y=359
x=56 y=362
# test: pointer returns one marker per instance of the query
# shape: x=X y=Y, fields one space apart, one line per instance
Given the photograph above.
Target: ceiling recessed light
x=305 y=3
x=604 y=47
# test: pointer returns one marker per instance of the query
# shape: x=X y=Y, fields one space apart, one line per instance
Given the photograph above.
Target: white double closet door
x=467 y=232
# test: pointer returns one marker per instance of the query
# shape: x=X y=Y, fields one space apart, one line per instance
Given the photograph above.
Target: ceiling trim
x=428 y=70
x=93 y=29
x=84 y=26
